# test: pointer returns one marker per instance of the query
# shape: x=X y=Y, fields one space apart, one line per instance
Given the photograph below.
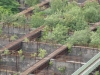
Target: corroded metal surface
x=94 y=26
x=32 y=8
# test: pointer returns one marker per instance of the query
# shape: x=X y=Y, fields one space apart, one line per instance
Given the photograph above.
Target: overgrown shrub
x=11 y=5
x=57 y=5
x=31 y=2
x=58 y=34
x=81 y=37
x=95 y=40
x=54 y=19
x=37 y=20
x=91 y=15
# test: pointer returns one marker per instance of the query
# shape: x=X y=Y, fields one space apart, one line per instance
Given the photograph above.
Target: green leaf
x=62 y=69
x=42 y=53
x=20 y=52
x=6 y=52
x=33 y=54
x=26 y=40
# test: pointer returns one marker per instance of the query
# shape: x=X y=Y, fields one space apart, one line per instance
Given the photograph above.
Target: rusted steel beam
x=58 y=51
x=32 y=8
x=35 y=36
x=64 y=52
x=39 y=69
x=17 y=44
x=94 y=26
x=43 y=61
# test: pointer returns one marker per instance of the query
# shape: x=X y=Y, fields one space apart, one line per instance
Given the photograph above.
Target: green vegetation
x=6 y=52
x=55 y=35
x=50 y=63
x=91 y=14
x=8 y=19
x=62 y=69
x=15 y=74
x=37 y=20
x=0 y=30
x=3 y=11
x=95 y=41
x=59 y=20
x=20 y=52
x=42 y=53
x=65 y=23
x=58 y=5
x=81 y=37
x=20 y=21
x=26 y=40
x=70 y=15
x=11 y=20
x=63 y=17
x=9 y=5
x=22 y=57
x=14 y=37
x=97 y=73
x=33 y=55
x=31 y=2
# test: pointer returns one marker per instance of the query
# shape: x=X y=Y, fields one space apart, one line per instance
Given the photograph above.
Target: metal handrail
x=93 y=63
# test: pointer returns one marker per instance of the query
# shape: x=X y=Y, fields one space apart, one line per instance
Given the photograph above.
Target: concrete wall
x=84 y=52
x=34 y=47
x=21 y=64
x=3 y=42
x=27 y=62
x=70 y=67
x=81 y=1
x=13 y=30
x=10 y=31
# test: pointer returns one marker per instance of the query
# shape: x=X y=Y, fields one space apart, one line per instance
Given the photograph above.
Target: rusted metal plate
x=58 y=51
x=94 y=26
x=41 y=67
x=32 y=8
